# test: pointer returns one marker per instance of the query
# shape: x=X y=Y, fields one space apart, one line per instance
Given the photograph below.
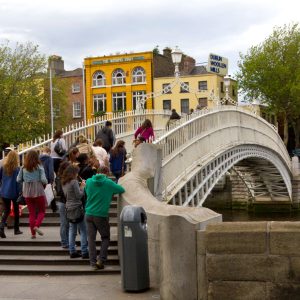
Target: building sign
x=117 y=60
x=217 y=64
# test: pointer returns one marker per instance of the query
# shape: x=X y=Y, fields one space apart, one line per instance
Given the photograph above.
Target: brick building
x=72 y=83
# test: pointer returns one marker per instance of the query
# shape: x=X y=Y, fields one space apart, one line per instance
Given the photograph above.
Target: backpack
x=59 y=149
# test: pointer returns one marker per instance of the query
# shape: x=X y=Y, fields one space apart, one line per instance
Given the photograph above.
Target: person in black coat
x=107 y=136
x=174 y=115
x=85 y=170
x=47 y=162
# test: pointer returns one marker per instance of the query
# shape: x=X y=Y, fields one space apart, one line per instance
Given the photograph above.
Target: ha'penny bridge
x=172 y=178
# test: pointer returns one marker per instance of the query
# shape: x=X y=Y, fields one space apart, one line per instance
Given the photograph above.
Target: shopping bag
x=49 y=193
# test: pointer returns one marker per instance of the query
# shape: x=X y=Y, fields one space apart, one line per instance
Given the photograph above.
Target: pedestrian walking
x=72 y=155
x=100 y=153
x=117 y=160
x=173 y=118
x=47 y=162
x=33 y=177
x=107 y=136
x=58 y=149
x=75 y=210
x=10 y=190
x=83 y=146
x=61 y=204
x=99 y=191
x=145 y=131
x=85 y=169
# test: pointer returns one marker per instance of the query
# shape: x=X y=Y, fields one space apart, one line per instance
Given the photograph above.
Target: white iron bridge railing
x=194 y=126
x=123 y=123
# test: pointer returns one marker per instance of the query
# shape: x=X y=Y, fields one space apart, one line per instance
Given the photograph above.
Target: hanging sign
x=217 y=64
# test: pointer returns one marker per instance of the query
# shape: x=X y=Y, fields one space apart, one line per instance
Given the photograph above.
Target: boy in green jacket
x=99 y=191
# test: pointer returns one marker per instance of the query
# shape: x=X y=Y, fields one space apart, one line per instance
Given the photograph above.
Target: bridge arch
x=207 y=142
x=202 y=180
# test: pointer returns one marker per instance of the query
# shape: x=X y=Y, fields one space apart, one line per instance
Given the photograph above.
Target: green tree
x=270 y=72
x=156 y=50
x=22 y=103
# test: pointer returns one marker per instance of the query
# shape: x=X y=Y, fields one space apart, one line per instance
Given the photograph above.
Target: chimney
x=56 y=64
x=187 y=64
x=167 y=52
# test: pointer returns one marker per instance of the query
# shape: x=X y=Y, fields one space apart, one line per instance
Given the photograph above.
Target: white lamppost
x=176 y=58
x=227 y=99
x=227 y=84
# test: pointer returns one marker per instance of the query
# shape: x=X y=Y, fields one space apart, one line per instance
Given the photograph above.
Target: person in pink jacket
x=145 y=131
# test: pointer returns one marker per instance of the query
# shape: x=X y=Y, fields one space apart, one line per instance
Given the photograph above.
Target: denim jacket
x=36 y=175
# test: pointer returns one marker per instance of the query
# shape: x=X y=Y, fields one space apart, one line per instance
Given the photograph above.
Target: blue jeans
x=64 y=224
x=83 y=238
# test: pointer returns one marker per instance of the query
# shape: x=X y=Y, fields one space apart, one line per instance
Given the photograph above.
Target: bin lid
x=133 y=213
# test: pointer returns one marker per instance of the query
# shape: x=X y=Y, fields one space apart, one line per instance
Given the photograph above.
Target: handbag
x=21 y=200
x=75 y=215
x=49 y=193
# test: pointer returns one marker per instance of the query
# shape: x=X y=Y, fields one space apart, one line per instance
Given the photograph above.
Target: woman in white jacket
x=100 y=153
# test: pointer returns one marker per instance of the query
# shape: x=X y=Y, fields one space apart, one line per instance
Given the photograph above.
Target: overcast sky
x=78 y=29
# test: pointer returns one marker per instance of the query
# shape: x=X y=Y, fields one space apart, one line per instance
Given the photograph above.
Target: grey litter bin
x=134 y=249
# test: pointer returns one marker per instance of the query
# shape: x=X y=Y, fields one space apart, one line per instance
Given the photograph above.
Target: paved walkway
x=100 y=287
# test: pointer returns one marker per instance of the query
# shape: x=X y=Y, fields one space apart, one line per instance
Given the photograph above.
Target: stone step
x=42 y=250
x=43 y=243
x=55 y=222
x=20 y=255
x=56 y=270
x=49 y=214
x=50 y=260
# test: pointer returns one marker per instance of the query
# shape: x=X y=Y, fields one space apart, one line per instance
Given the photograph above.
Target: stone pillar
x=295 y=183
x=178 y=259
x=296 y=192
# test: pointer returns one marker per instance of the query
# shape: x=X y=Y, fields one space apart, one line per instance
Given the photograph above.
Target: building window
x=99 y=103
x=76 y=110
x=185 y=106
x=233 y=91
x=138 y=75
x=99 y=79
x=222 y=87
x=202 y=85
x=185 y=88
x=118 y=77
x=166 y=87
x=136 y=96
x=202 y=103
x=75 y=88
x=167 y=104
x=119 y=101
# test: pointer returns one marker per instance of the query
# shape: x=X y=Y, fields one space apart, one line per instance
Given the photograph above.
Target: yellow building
x=194 y=93
x=116 y=82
